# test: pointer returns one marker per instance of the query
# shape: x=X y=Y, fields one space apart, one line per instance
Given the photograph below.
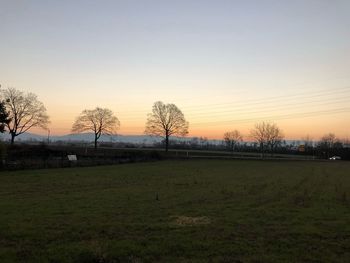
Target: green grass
x=255 y=211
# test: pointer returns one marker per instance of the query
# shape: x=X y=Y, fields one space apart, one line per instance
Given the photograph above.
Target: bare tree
x=25 y=112
x=329 y=140
x=166 y=120
x=274 y=136
x=267 y=135
x=232 y=139
x=308 y=143
x=259 y=135
x=329 y=144
x=99 y=120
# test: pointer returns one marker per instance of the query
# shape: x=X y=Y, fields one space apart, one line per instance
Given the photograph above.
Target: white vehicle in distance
x=335 y=158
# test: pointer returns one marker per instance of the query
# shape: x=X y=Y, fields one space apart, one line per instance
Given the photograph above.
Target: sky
x=226 y=64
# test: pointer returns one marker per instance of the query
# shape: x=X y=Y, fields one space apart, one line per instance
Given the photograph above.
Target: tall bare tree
x=232 y=138
x=99 y=120
x=166 y=120
x=275 y=137
x=329 y=145
x=267 y=135
x=25 y=112
x=328 y=140
x=308 y=143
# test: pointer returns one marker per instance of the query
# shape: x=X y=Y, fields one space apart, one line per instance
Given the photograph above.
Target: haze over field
x=225 y=64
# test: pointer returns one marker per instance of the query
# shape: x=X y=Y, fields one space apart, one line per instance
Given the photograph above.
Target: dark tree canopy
x=25 y=112
x=166 y=120
x=4 y=117
x=99 y=120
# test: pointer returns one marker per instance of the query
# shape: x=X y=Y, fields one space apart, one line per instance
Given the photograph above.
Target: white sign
x=72 y=157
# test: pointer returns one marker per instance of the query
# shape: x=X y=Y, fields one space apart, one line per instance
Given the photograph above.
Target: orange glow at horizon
x=315 y=127
x=227 y=67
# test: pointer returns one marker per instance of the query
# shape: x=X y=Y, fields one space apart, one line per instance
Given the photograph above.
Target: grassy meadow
x=178 y=211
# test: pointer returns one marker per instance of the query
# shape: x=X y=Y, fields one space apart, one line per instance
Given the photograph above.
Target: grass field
x=178 y=211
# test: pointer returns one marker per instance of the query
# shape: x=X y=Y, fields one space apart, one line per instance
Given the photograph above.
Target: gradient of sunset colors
x=226 y=64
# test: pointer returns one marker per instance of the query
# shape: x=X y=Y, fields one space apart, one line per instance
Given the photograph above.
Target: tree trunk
x=95 y=141
x=166 y=142
x=13 y=135
x=272 y=150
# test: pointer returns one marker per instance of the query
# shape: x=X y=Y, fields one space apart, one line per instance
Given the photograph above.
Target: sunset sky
x=226 y=64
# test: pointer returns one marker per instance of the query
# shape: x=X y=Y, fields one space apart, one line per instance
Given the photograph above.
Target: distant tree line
x=268 y=138
x=21 y=111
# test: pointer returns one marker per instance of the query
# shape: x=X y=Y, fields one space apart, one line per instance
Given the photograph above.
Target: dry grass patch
x=191 y=221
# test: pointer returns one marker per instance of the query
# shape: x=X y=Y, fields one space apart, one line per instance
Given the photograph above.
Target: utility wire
x=262 y=101
x=254 y=110
x=276 y=117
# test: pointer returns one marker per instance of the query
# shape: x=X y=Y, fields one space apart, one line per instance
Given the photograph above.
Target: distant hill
x=23 y=137
x=85 y=137
x=89 y=137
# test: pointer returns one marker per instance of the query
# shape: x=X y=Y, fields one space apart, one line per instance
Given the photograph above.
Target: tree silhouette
x=4 y=117
x=232 y=139
x=330 y=144
x=267 y=135
x=25 y=111
x=166 y=120
x=99 y=120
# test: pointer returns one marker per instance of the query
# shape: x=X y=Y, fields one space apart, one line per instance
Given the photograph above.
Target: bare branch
x=99 y=120
x=166 y=120
x=25 y=111
x=267 y=135
x=232 y=139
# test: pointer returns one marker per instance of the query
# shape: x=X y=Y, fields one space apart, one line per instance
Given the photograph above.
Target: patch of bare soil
x=191 y=221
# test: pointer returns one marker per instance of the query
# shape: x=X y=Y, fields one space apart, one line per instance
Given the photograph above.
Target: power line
x=272 y=99
x=262 y=101
x=269 y=108
x=277 y=117
x=243 y=111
